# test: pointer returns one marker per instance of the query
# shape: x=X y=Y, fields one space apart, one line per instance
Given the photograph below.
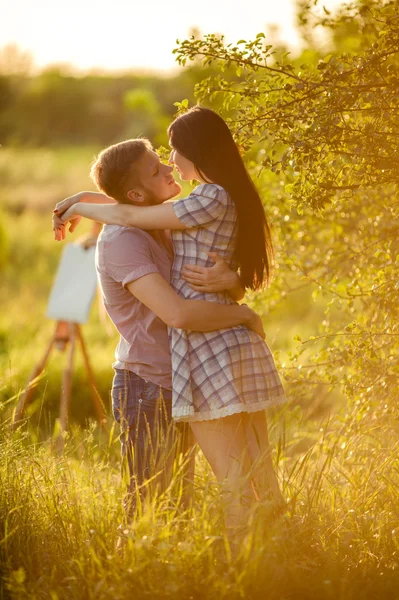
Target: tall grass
x=59 y=516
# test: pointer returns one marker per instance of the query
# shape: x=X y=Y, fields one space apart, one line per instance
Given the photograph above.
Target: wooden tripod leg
x=96 y=398
x=67 y=382
x=25 y=396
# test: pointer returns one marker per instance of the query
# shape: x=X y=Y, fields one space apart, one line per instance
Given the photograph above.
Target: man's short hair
x=114 y=170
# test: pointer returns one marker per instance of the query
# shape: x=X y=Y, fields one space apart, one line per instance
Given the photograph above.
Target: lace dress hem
x=226 y=411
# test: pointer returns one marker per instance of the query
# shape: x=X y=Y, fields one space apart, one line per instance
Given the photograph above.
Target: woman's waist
x=198 y=254
x=183 y=289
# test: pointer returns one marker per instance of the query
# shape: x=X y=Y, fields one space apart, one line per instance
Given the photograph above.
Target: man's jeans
x=144 y=413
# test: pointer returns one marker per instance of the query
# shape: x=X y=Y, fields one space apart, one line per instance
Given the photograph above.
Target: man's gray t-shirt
x=124 y=254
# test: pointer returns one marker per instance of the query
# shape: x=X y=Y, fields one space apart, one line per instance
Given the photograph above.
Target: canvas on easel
x=69 y=304
x=74 y=285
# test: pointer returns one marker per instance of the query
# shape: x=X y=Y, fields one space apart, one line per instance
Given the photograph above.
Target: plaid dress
x=226 y=371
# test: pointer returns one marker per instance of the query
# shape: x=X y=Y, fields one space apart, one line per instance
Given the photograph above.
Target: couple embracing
x=188 y=353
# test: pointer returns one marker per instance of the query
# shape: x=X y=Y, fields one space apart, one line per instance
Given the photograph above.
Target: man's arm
x=195 y=315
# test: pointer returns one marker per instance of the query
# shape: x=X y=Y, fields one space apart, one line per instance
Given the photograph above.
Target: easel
x=69 y=305
x=65 y=334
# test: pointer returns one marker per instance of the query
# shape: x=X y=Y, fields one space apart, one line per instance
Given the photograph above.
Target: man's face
x=157 y=183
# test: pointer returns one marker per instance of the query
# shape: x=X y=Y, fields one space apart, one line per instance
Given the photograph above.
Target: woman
x=223 y=380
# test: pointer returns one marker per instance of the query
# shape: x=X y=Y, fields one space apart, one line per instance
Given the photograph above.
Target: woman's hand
x=63 y=205
x=60 y=222
x=58 y=228
x=85 y=197
x=255 y=322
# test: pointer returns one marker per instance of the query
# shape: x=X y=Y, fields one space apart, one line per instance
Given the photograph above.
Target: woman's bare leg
x=257 y=440
x=224 y=445
x=185 y=455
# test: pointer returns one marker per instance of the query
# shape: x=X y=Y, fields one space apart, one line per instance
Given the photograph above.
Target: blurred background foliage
x=319 y=134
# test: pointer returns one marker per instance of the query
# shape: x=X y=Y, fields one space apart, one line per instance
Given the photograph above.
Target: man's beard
x=152 y=199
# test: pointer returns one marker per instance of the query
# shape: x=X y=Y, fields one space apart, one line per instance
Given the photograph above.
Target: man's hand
x=89 y=240
x=217 y=278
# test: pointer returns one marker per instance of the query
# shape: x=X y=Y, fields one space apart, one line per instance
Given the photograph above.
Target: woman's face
x=184 y=167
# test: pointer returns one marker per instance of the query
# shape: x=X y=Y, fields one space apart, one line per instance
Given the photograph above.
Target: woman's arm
x=63 y=205
x=195 y=315
x=88 y=197
x=222 y=278
x=214 y=279
x=161 y=216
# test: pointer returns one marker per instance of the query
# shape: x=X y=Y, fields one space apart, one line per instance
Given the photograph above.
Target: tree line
x=56 y=108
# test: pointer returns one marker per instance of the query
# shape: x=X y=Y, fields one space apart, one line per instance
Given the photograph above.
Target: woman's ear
x=135 y=196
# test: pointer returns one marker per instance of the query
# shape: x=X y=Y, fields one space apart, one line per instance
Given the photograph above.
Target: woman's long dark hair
x=202 y=136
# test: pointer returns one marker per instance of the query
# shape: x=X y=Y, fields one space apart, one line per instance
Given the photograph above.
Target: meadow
x=59 y=513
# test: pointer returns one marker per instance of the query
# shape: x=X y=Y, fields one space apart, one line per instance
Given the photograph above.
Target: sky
x=132 y=34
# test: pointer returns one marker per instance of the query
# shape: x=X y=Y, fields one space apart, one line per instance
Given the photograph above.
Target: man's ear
x=135 y=195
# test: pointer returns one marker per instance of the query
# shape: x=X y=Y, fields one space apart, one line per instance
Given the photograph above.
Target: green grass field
x=59 y=513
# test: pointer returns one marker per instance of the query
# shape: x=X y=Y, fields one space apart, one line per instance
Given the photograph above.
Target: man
x=134 y=270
